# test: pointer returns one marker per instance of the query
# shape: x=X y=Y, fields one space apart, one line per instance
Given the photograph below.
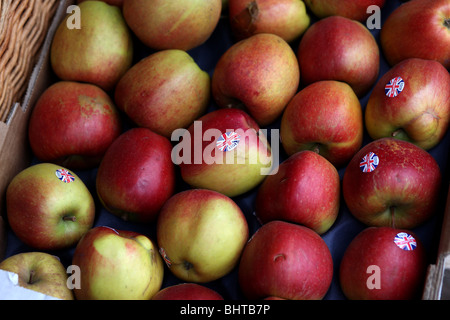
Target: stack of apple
x=216 y=215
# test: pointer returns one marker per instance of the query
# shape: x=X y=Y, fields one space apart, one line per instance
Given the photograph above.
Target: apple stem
x=70 y=218
x=396 y=132
x=392 y=210
x=30 y=280
x=316 y=148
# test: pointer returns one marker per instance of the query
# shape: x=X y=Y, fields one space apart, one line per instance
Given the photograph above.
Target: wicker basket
x=23 y=26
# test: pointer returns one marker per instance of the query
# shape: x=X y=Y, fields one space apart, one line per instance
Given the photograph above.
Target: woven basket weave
x=23 y=26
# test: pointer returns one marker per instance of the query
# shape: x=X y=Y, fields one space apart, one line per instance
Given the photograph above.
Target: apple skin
x=402 y=37
x=164 y=91
x=118 y=3
x=259 y=74
x=117 y=265
x=420 y=113
x=231 y=179
x=305 y=190
x=401 y=192
x=41 y=272
x=187 y=291
x=182 y=25
x=136 y=175
x=286 y=18
x=73 y=124
x=45 y=212
x=100 y=52
x=326 y=117
x=287 y=261
x=355 y=10
x=338 y=48
x=401 y=272
x=201 y=234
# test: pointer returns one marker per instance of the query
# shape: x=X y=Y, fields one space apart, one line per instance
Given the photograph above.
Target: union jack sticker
x=228 y=141
x=65 y=176
x=163 y=254
x=369 y=162
x=405 y=241
x=394 y=87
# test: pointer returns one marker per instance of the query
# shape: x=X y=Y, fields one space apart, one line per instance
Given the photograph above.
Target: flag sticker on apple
x=165 y=257
x=394 y=87
x=405 y=241
x=369 y=162
x=228 y=141
x=64 y=175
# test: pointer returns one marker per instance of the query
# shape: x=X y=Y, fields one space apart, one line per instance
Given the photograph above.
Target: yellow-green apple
x=48 y=207
x=259 y=74
x=383 y=263
x=401 y=37
x=286 y=18
x=136 y=175
x=224 y=150
x=187 y=291
x=117 y=265
x=73 y=124
x=391 y=182
x=162 y=24
x=305 y=190
x=338 y=48
x=164 y=91
x=325 y=117
x=285 y=260
x=411 y=102
x=118 y=3
x=352 y=9
x=201 y=234
x=99 y=52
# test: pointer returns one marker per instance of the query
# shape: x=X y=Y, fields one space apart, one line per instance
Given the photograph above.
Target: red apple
x=305 y=190
x=286 y=18
x=73 y=124
x=225 y=151
x=187 y=291
x=352 y=9
x=326 y=117
x=285 y=260
x=338 y=48
x=179 y=24
x=383 y=264
x=411 y=102
x=136 y=175
x=259 y=74
x=391 y=182
x=164 y=91
x=402 y=37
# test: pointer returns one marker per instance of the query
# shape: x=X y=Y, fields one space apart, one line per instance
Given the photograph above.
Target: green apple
x=117 y=265
x=40 y=272
x=48 y=207
x=201 y=234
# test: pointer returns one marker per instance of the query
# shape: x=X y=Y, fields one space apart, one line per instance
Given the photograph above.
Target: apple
x=259 y=74
x=402 y=37
x=325 y=117
x=411 y=102
x=48 y=207
x=383 y=263
x=117 y=265
x=99 y=52
x=225 y=151
x=201 y=234
x=118 y=3
x=305 y=190
x=355 y=10
x=73 y=124
x=287 y=261
x=286 y=18
x=164 y=91
x=136 y=175
x=40 y=272
x=338 y=48
x=391 y=182
x=187 y=291
x=180 y=25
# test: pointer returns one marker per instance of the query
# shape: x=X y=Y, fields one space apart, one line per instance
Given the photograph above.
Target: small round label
x=163 y=254
x=405 y=241
x=228 y=141
x=369 y=162
x=394 y=87
x=65 y=176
